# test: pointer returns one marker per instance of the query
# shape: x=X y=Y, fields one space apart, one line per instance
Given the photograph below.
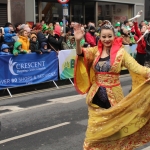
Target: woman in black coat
x=56 y=39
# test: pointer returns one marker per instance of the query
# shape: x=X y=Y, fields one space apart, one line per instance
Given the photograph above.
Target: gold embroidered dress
x=126 y=124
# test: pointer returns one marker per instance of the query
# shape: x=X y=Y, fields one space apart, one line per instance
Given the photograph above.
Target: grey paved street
x=53 y=120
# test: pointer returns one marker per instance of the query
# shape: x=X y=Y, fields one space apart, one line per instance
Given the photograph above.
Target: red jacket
x=142 y=44
x=90 y=39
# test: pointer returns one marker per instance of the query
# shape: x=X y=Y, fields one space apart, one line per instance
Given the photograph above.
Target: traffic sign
x=65 y=5
x=63 y=1
x=65 y=12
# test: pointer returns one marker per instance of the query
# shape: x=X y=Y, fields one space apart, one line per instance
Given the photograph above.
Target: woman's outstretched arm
x=79 y=34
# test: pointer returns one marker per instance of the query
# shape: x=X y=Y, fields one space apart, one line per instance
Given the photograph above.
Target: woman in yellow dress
x=115 y=122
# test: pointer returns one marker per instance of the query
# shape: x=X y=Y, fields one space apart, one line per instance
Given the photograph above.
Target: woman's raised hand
x=78 y=32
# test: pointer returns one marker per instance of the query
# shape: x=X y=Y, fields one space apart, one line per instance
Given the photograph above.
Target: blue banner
x=27 y=69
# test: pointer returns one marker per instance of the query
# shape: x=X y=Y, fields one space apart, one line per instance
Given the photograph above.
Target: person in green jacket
x=18 y=49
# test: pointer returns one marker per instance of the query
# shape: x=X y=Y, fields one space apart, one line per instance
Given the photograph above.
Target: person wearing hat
x=5 y=50
x=44 y=48
x=8 y=35
x=55 y=40
x=34 y=45
x=117 y=29
x=18 y=49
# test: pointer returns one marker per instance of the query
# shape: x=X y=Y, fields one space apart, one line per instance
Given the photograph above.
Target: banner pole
x=71 y=81
x=55 y=84
x=9 y=92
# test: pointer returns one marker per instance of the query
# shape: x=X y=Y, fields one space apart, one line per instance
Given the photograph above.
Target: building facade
x=147 y=10
x=12 y=11
x=83 y=11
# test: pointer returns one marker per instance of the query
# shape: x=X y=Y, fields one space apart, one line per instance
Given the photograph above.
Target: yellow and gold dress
x=126 y=124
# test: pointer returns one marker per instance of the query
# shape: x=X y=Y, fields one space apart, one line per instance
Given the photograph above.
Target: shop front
x=83 y=11
x=114 y=12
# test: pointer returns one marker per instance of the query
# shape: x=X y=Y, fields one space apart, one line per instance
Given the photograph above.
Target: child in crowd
x=8 y=35
x=18 y=49
x=44 y=48
x=34 y=45
x=5 y=50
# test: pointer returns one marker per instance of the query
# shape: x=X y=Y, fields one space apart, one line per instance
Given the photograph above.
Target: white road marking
x=68 y=99
x=51 y=102
x=34 y=132
x=83 y=122
x=13 y=108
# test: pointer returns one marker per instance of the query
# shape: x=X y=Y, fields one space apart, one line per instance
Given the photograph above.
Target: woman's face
x=25 y=34
x=107 y=37
x=144 y=28
x=72 y=40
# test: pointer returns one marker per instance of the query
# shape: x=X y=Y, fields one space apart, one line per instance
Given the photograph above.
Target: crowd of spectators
x=45 y=37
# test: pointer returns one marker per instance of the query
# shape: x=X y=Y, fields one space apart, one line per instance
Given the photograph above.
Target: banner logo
x=17 y=68
x=28 y=69
x=11 y=67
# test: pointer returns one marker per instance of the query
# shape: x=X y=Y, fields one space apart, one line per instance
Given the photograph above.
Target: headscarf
x=57 y=30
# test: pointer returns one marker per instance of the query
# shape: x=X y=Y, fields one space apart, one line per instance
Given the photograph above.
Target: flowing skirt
x=124 y=126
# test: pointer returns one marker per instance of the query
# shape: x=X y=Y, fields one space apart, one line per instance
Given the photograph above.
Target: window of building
x=89 y=12
x=50 y=11
x=3 y=14
x=147 y=10
x=82 y=12
x=77 y=12
x=114 y=12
